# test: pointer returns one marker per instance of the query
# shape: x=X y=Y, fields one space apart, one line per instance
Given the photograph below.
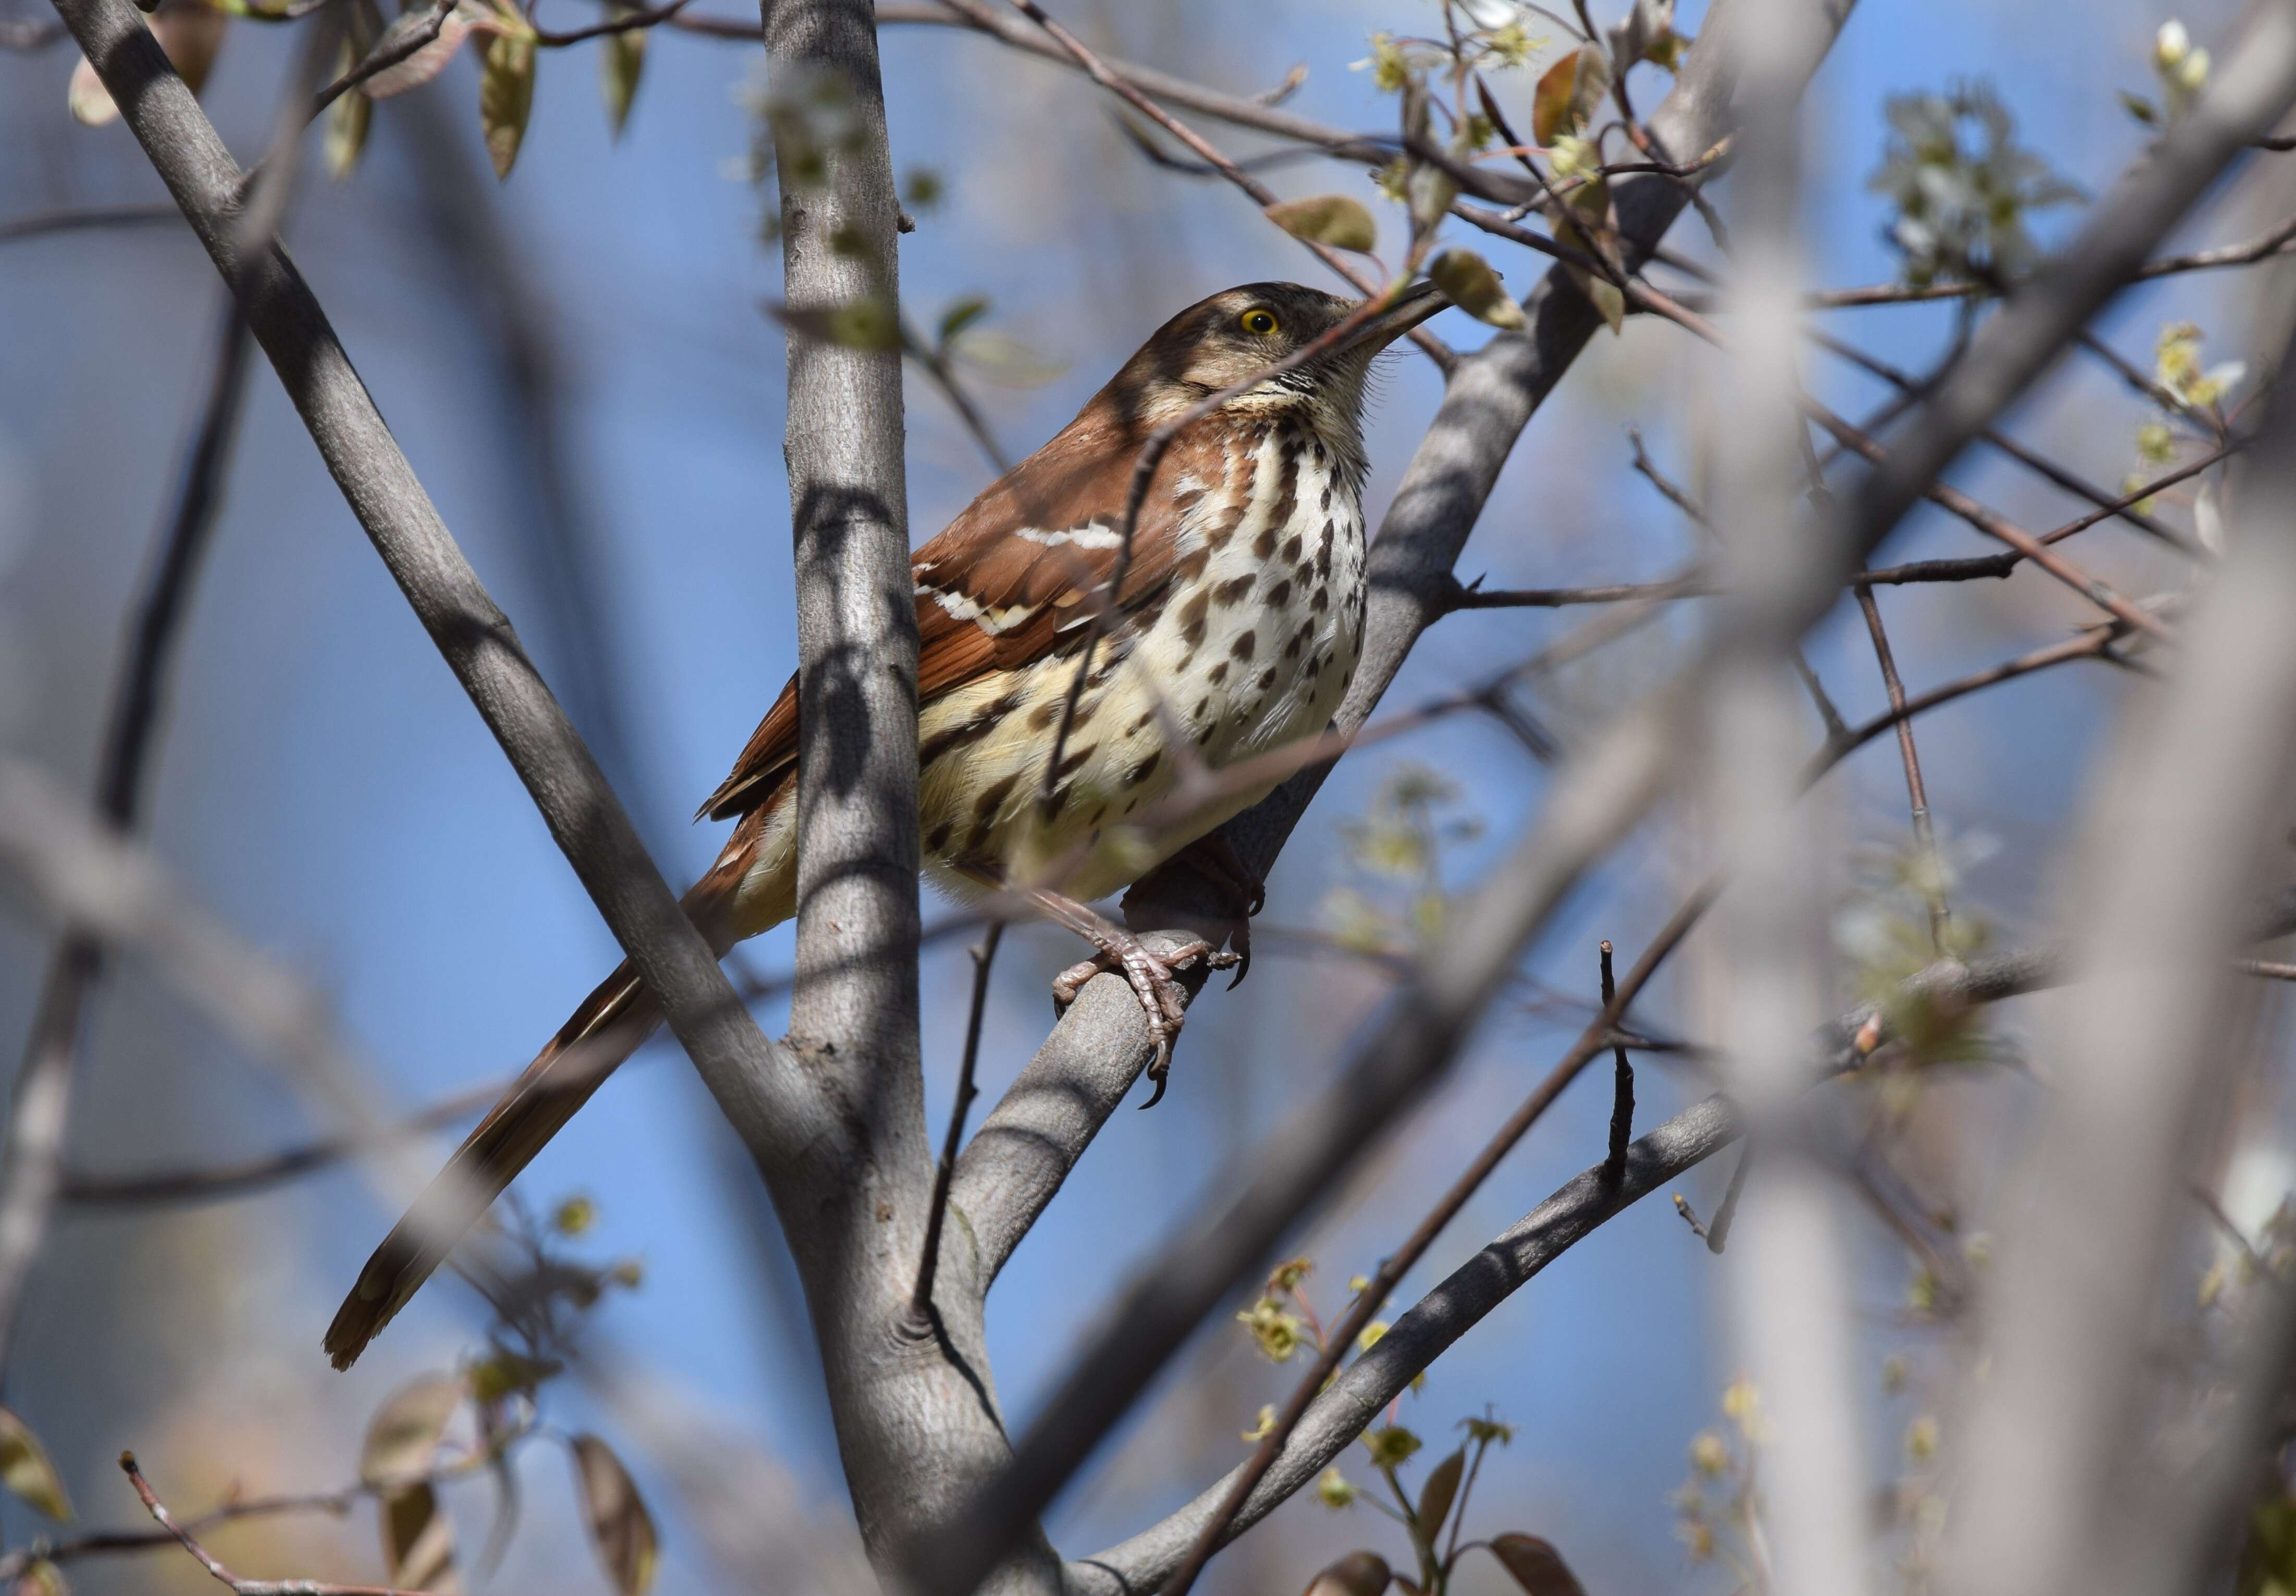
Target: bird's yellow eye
x=1259 y=321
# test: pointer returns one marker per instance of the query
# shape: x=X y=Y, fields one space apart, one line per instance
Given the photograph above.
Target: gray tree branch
x=1353 y=1402
x=1595 y=799
x=472 y=633
x=2064 y=1492
x=916 y=1416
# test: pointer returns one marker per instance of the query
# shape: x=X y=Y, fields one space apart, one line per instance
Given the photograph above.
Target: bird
x=1230 y=628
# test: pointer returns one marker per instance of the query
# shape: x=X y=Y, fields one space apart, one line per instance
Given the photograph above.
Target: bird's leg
x=1214 y=858
x=1149 y=972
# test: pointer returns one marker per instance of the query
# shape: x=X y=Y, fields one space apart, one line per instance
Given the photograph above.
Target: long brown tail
x=611 y=1024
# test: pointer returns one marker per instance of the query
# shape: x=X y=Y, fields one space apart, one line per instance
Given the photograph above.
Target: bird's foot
x=1214 y=858
x=1152 y=978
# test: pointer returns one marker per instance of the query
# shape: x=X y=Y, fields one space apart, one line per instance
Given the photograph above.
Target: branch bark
x=2063 y=1493
x=1354 y=1401
x=917 y=1423
x=471 y=632
x=1595 y=799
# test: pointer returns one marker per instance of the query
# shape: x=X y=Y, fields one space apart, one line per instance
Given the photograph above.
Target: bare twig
x=217 y=1183
x=1260 y=194
x=921 y=1302
x=1715 y=1233
x=1343 y=1336
x=206 y=1560
x=629 y=22
x=31 y=1168
x=420 y=37
x=1932 y=867
x=2111 y=504
x=45 y=224
x=1622 y=1086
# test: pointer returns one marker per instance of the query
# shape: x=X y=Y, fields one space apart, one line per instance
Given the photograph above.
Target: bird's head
x=1218 y=342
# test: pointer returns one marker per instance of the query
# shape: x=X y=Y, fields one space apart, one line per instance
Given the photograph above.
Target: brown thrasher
x=1238 y=625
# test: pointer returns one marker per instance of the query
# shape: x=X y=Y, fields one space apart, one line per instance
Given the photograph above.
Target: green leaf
x=1333 y=219
x=1468 y=282
x=1435 y=1497
x=1357 y=1573
x=418 y=1542
x=1537 y=1567
x=620 y=1527
x=27 y=1472
x=505 y=97
x=961 y=314
x=1567 y=94
x=348 y=120
x=2139 y=107
x=404 y=1433
x=1004 y=359
x=619 y=66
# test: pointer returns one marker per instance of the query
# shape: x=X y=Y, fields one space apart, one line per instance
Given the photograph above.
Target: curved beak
x=1412 y=306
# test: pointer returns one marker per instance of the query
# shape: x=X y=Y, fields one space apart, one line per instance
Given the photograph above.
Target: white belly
x=1256 y=653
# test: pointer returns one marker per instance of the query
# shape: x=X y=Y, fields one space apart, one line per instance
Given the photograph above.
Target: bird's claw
x=1150 y=976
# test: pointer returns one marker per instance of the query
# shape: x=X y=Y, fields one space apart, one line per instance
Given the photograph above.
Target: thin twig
x=1590 y=1042
x=2094 y=644
x=1916 y=792
x=1622 y=1089
x=1102 y=73
x=2216 y=1210
x=424 y=34
x=206 y=1560
x=2002 y=564
x=628 y=22
x=43 y=224
x=2111 y=506
x=921 y=1303
x=32 y=1173
x=936 y=365
x=1716 y=1233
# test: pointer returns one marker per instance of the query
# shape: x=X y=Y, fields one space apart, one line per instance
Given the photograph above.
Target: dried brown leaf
x=190 y=32
x=1333 y=219
x=27 y=1472
x=403 y=1436
x=418 y=1543
x=1442 y=1486
x=1357 y=1573
x=1537 y=1567
x=1567 y=94
x=426 y=62
x=620 y=1527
